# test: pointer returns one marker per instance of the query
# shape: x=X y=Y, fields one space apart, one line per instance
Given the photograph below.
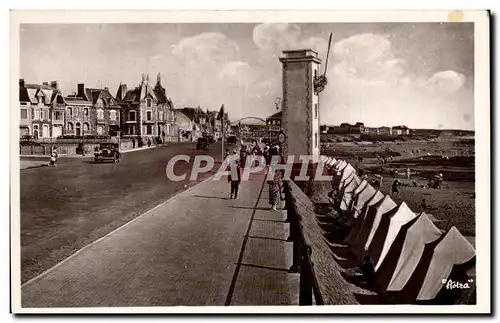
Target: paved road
x=198 y=249
x=67 y=207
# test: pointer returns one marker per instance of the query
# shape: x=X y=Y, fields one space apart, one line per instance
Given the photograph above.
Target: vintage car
x=203 y=144
x=210 y=139
x=107 y=151
x=231 y=140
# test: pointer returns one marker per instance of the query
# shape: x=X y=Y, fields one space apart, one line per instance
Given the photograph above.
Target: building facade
x=147 y=112
x=401 y=131
x=274 y=126
x=41 y=110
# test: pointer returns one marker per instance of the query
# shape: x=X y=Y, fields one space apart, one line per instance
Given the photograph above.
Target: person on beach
x=395 y=187
x=276 y=182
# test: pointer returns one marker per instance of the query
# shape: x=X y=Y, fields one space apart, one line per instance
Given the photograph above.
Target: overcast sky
x=419 y=75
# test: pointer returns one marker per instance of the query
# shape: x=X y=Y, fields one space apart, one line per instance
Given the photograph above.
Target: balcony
x=131 y=121
x=148 y=121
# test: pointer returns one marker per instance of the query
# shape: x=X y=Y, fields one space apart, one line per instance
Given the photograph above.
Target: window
x=316 y=140
x=58 y=115
x=315 y=110
x=24 y=114
x=131 y=116
x=69 y=111
x=112 y=115
x=148 y=115
x=149 y=129
x=37 y=114
x=100 y=114
x=148 y=103
x=69 y=127
x=86 y=112
x=131 y=129
x=160 y=115
x=100 y=130
x=45 y=114
x=86 y=127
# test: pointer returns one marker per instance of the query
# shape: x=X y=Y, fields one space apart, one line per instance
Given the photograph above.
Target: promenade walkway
x=199 y=248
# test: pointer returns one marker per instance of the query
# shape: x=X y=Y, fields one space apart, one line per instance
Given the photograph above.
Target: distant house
x=400 y=131
x=274 y=125
x=185 y=126
x=359 y=127
x=342 y=129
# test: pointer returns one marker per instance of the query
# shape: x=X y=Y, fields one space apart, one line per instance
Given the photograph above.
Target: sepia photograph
x=250 y=162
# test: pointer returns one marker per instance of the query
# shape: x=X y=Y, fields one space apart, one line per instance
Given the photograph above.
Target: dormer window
x=148 y=103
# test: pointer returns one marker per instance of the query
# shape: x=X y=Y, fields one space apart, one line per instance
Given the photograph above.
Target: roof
x=73 y=99
x=140 y=93
x=277 y=115
x=94 y=94
x=31 y=93
x=453 y=250
x=421 y=232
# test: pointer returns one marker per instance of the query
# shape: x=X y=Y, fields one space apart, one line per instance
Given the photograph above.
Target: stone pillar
x=300 y=110
x=300 y=117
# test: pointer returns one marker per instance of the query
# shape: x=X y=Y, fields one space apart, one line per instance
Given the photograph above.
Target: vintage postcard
x=250 y=162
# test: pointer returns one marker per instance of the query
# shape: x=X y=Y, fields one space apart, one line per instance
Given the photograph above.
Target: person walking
x=234 y=181
x=276 y=182
x=53 y=157
x=408 y=172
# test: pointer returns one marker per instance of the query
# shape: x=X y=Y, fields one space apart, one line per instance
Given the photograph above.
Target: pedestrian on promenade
x=53 y=157
x=149 y=142
x=226 y=154
x=234 y=181
x=408 y=172
x=275 y=183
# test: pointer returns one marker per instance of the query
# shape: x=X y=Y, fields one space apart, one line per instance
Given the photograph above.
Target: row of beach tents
x=412 y=257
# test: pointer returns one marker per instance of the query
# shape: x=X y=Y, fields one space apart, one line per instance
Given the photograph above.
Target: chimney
x=106 y=88
x=21 y=82
x=81 y=90
x=54 y=85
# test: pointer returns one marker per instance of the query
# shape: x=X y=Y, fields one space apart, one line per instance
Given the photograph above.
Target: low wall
x=320 y=275
x=68 y=147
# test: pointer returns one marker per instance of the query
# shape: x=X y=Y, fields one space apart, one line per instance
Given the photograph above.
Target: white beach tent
x=359 y=205
x=453 y=250
x=348 y=191
x=352 y=196
x=347 y=173
x=422 y=232
x=375 y=211
x=361 y=199
x=395 y=221
x=366 y=218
